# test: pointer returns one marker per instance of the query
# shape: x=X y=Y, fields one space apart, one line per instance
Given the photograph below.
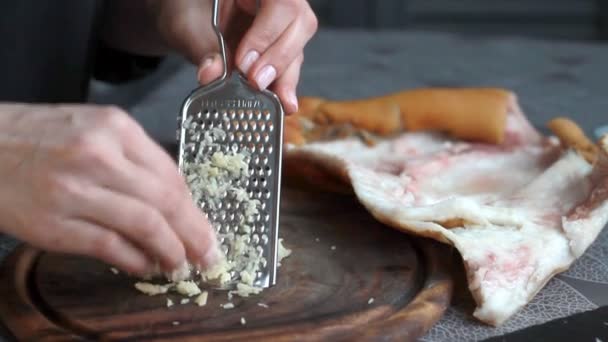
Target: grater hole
x=260 y=148
x=253 y=125
x=267 y=115
x=241 y=114
x=256 y=137
x=244 y=125
x=258 y=114
x=249 y=114
x=266 y=193
x=262 y=126
x=239 y=136
x=248 y=137
x=263 y=182
x=235 y=124
x=266 y=138
x=230 y=137
x=269 y=149
x=270 y=127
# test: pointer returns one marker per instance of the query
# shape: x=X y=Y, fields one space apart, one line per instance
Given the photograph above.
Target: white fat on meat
x=518 y=213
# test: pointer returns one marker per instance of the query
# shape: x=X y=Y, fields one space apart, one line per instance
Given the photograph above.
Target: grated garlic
x=114 y=270
x=184 y=301
x=175 y=323
x=169 y=302
x=243 y=321
x=187 y=288
x=152 y=289
x=371 y=300
x=228 y=306
x=201 y=300
x=263 y=305
x=283 y=252
x=244 y=290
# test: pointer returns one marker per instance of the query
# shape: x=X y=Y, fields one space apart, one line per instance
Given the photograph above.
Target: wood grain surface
x=322 y=292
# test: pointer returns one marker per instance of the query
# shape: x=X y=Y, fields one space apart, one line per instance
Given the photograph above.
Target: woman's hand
x=88 y=180
x=268 y=47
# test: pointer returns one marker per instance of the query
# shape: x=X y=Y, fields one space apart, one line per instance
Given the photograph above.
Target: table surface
x=550 y=78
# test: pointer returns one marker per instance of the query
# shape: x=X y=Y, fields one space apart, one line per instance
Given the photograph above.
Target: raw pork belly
x=518 y=212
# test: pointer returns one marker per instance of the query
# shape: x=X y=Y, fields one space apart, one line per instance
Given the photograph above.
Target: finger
x=249 y=6
x=196 y=233
x=210 y=69
x=172 y=198
x=135 y=221
x=88 y=239
x=286 y=85
x=280 y=54
x=192 y=34
x=140 y=149
x=174 y=201
x=271 y=21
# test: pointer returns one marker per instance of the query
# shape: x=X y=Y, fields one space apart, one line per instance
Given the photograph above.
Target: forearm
x=130 y=26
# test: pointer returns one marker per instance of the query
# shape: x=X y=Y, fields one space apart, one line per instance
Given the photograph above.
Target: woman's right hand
x=87 y=180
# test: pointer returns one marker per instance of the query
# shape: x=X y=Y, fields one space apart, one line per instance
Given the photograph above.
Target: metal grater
x=252 y=120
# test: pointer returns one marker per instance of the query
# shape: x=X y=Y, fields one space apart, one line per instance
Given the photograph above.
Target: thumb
x=210 y=68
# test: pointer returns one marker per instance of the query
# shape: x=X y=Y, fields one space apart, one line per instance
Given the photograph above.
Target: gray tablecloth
x=551 y=78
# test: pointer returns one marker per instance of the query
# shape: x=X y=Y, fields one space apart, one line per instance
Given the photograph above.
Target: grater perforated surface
x=239 y=119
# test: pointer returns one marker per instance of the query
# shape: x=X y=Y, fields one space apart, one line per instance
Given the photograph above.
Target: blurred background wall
x=548 y=19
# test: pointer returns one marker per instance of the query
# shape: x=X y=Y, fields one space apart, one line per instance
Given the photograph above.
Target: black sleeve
x=117 y=66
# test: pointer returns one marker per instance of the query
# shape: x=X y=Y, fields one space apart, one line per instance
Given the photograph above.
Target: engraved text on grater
x=232 y=103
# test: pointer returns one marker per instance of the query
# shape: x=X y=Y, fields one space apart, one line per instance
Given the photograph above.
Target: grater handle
x=220 y=37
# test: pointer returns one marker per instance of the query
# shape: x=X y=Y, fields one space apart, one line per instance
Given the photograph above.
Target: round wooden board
x=322 y=293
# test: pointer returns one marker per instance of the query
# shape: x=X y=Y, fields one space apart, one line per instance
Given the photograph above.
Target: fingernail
x=265 y=76
x=212 y=256
x=293 y=100
x=248 y=61
x=207 y=61
x=205 y=64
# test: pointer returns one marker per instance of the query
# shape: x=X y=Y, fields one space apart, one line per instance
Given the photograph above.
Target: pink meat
x=523 y=211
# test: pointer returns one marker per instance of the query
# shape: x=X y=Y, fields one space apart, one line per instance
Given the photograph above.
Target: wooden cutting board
x=323 y=293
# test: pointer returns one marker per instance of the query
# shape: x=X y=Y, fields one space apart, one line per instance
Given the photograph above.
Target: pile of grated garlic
x=217 y=182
